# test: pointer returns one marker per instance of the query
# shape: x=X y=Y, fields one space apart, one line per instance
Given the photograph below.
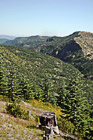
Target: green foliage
x=12 y=83
x=15 y=110
x=4 y=98
x=3 y=78
x=24 y=89
x=28 y=71
x=75 y=105
x=27 y=42
x=31 y=75
x=66 y=126
x=75 y=49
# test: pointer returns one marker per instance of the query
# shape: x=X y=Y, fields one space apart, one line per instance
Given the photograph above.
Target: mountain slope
x=76 y=49
x=17 y=128
x=2 y=40
x=7 y=37
x=83 y=39
x=27 y=42
x=27 y=75
x=38 y=68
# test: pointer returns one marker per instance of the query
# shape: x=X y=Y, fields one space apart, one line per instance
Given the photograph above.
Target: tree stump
x=49 y=124
x=29 y=113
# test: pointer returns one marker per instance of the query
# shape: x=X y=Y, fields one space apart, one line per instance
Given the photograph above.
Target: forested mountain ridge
x=76 y=49
x=37 y=67
x=83 y=39
x=27 y=42
x=41 y=69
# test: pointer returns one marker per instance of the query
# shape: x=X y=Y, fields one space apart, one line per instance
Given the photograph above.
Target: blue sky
x=45 y=17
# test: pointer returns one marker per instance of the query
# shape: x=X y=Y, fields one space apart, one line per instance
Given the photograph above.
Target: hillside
x=41 y=70
x=27 y=75
x=2 y=40
x=76 y=49
x=37 y=66
x=17 y=128
x=83 y=39
x=7 y=37
x=27 y=42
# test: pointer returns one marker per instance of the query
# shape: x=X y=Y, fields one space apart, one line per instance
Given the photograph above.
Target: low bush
x=66 y=126
x=15 y=110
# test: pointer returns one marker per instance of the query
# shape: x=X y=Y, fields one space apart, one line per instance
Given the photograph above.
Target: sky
x=45 y=17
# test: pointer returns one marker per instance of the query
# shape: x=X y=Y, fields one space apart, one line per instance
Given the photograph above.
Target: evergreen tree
x=63 y=98
x=72 y=101
x=3 y=78
x=77 y=101
x=46 y=88
x=12 y=83
x=25 y=88
x=53 y=98
x=38 y=93
x=79 y=107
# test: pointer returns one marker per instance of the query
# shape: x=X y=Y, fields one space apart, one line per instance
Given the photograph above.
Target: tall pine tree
x=3 y=78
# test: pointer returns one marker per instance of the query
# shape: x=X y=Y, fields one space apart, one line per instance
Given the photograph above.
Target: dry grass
x=12 y=128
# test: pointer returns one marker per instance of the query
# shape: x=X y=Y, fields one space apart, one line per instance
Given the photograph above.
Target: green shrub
x=4 y=98
x=16 y=111
x=66 y=126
